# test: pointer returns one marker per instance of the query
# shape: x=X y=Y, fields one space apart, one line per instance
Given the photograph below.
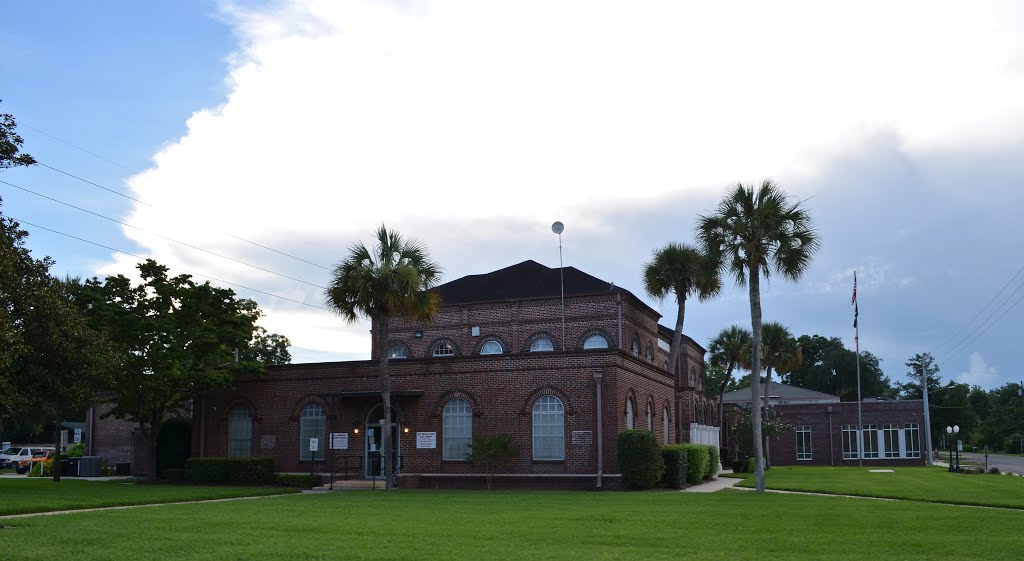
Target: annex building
x=825 y=429
x=498 y=358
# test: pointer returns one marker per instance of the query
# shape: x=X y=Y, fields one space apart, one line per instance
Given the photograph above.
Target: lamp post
x=953 y=431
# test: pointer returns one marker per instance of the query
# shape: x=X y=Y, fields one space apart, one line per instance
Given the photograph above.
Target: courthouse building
x=498 y=358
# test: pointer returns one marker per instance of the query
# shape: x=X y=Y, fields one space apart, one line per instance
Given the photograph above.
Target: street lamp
x=953 y=431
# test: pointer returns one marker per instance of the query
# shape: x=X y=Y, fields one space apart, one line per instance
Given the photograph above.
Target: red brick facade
x=824 y=423
x=501 y=390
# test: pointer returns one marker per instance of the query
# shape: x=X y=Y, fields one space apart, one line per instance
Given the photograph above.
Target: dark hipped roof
x=784 y=393
x=528 y=279
x=668 y=333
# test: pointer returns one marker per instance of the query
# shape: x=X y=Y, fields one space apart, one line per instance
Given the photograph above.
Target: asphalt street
x=1011 y=464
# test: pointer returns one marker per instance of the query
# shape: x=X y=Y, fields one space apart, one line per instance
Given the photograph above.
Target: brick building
x=824 y=429
x=498 y=358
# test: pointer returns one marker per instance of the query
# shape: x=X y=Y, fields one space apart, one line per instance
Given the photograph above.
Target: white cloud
x=979 y=373
x=476 y=124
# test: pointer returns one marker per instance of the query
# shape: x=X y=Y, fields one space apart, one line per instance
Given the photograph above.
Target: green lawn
x=40 y=495
x=563 y=526
x=932 y=484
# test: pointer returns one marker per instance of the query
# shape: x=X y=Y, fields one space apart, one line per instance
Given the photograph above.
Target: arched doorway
x=375 y=441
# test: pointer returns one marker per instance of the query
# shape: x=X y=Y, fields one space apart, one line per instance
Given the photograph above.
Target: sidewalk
x=712 y=485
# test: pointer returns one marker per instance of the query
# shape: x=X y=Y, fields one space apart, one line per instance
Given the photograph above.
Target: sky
x=272 y=135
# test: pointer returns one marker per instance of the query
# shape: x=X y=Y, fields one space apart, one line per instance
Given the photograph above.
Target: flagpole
x=856 y=341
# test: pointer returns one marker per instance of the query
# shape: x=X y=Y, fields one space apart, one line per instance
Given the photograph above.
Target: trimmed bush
x=640 y=460
x=300 y=480
x=713 y=461
x=256 y=470
x=696 y=462
x=751 y=465
x=76 y=451
x=674 y=456
x=174 y=474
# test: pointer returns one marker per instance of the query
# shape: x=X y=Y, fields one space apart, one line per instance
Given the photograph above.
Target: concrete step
x=347 y=484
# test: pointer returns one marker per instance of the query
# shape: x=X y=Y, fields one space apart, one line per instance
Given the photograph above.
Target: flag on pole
x=853 y=300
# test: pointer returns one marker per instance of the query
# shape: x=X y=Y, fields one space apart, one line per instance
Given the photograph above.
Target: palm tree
x=779 y=350
x=729 y=349
x=754 y=232
x=684 y=271
x=394 y=280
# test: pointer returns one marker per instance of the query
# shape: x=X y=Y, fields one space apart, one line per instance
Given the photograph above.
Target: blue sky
x=283 y=123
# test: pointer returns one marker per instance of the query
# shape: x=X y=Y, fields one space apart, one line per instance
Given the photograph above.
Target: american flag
x=853 y=300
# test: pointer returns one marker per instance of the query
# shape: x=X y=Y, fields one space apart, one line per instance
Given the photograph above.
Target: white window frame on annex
x=803 y=443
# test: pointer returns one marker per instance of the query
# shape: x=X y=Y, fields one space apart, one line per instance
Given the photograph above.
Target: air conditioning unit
x=89 y=466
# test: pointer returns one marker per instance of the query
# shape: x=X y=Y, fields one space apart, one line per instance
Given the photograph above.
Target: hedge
x=714 y=459
x=256 y=470
x=300 y=480
x=696 y=462
x=640 y=460
x=674 y=456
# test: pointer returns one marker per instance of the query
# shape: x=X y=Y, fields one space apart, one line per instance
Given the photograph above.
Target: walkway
x=74 y=510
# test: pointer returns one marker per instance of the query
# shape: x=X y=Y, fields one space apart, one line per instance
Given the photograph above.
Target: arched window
x=650 y=417
x=398 y=351
x=491 y=348
x=458 y=429
x=548 y=429
x=444 y=348
x=664 y=425
x=693 y=375
x=635 y=346
x=649 y=353
x=312 y=424
x=595 y=342
x=239 y=432
x=542 y=344
x=629 y=413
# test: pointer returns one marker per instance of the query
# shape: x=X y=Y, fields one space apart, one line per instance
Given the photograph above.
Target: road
x=1012 y=464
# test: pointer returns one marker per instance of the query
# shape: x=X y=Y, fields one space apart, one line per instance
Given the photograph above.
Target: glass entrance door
x=375 y=443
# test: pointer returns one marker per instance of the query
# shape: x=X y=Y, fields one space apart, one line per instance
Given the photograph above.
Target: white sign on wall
x=426 y=440
x=314 y=444
x=78 y=435
x=339 y=441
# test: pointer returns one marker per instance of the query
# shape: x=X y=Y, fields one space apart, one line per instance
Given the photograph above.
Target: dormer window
x=443 y=348
x=491 y=348
x=542 y=344
x=398 y=351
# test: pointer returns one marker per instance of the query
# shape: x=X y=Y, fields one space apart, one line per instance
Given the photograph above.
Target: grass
x=585 y=526
x=18 y=496
x=929 y=484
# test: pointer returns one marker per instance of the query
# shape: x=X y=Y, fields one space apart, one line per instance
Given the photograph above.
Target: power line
x=239 y=238
x=989 y=326
x=182 y=269
x=75 y=146
x=188 y=245
x=981 y=311
x=990 y=318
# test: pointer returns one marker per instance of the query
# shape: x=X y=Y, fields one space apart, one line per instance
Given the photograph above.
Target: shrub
x=640 y=460
x=713 y=461
x=674 y=456
x=255 y=470
x=300 y=480
x=76 y=451
x=751 y=465
x=492 y=453
x=696 y=462
x=174 y=474
x=739 y=465
x=994 y=470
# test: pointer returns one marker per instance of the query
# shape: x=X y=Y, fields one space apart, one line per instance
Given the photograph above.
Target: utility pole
x=927 y=414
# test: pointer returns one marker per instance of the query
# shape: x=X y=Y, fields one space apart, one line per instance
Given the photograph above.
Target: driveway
x=1011 y=464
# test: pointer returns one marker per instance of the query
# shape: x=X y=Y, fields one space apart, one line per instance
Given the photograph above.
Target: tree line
x=144 y=348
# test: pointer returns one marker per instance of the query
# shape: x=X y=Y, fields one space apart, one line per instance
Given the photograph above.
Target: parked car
x=24 y=466
x=9 y=455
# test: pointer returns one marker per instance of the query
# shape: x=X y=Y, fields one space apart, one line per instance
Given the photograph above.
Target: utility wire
x=976 y=316
x=185 y=270
x=239 y=238
x=75 y=146
x=188 y=245
x=989 y=326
